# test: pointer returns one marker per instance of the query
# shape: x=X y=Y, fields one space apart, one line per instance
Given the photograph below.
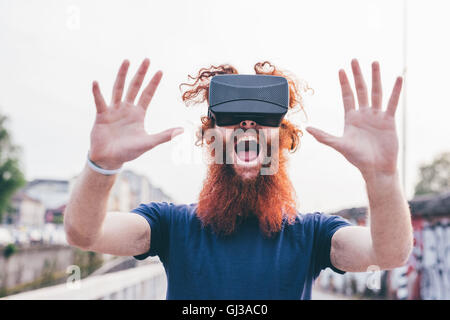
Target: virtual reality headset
x=237 y=97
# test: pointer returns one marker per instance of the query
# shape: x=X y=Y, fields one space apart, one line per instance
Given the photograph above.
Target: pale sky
x=51 y=51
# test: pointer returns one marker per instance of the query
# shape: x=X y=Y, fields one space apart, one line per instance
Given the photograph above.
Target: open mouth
x=247 y=149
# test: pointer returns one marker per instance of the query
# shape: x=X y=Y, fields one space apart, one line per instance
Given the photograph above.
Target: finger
x=100 y=103
x=324 y=137
x=162 y=137
x=148 y=92
x=377 y=91
x=360 y=85
x=136 y=83
x=347 y=93
x=393 y=101
x=119 y=84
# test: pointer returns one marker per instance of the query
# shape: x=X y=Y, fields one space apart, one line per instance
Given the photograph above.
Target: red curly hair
x=222 y=207
x=199 y=93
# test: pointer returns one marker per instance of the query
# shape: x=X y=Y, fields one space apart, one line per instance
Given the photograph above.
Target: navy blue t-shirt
x=200 y=264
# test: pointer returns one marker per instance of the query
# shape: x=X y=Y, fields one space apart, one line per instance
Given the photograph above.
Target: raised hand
x=370 y=139
x=118 y=134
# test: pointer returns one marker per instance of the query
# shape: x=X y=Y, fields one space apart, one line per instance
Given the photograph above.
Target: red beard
x=226 y=200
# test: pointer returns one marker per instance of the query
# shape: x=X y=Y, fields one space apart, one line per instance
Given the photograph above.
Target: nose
x=247 y=124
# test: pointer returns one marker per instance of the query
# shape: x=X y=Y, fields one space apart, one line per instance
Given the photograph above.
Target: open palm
x=370 y=139
x=118 y=134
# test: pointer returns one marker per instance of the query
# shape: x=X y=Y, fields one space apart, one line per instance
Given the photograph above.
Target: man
x=244 y=238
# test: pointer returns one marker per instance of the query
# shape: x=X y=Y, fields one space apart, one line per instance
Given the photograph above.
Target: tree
x=435 y=177
x=11 y=177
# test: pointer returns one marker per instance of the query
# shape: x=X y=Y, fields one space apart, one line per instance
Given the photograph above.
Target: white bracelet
x=96 y=168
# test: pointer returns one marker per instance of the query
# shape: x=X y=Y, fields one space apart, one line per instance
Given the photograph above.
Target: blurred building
x=427 y=273
x=44 y=200
x=120 y=195
x=51 y=192
x=28 y=211
x=55 y=215
x=129 y=190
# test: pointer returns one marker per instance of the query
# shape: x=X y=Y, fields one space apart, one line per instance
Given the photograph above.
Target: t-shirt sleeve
x=325 y=227
x=157 y=215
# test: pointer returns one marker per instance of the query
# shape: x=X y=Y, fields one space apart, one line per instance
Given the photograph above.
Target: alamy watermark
x=373 y=281
x=74 y=279
x=73 y=18
x=228 y=146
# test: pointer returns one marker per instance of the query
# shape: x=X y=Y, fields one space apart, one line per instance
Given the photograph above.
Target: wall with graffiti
x=426 y=275
x=433 y=259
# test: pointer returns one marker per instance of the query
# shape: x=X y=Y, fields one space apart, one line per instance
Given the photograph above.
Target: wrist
x=382 y=184
x=104 y=163
x=384 y=192
x=104 y=168
x=380 y=176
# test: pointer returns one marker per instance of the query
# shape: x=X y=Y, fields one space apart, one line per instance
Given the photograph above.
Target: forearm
x=390 y=219
x=87 y=207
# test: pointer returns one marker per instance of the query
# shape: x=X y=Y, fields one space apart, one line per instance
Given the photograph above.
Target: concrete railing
x=141 y=283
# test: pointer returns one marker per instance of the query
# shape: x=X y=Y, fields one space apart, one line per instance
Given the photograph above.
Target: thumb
x=323 y=137
x=162 y=137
